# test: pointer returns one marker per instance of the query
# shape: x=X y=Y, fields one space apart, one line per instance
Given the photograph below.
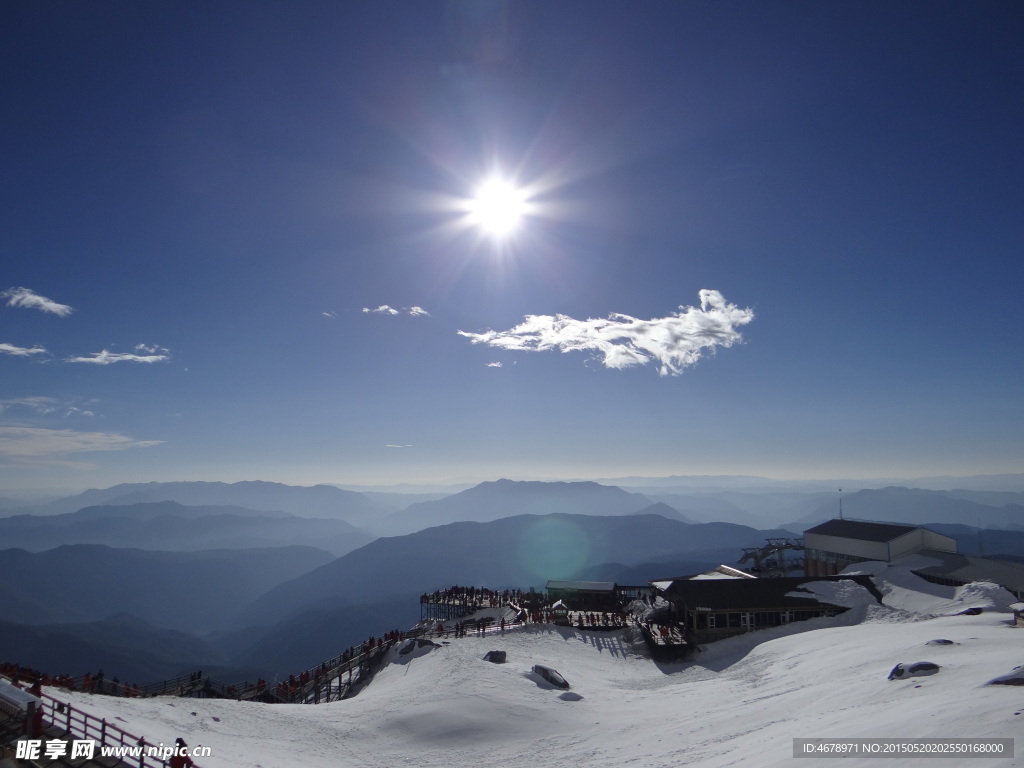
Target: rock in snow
x=550 y=675
x=917 y=669
x=1014 y=678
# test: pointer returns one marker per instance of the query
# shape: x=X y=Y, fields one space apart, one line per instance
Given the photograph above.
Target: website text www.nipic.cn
x=35 y=749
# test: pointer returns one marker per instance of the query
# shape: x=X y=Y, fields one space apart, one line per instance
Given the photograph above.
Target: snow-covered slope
x=739 y=703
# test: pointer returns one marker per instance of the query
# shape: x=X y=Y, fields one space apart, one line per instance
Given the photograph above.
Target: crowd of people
x=591 y=620
x=475 y=597
x=27 y=678
x=111 y=687
x=89 y=683
x=465 y=628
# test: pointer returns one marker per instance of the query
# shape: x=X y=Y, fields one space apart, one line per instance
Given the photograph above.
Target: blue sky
x=217 y=194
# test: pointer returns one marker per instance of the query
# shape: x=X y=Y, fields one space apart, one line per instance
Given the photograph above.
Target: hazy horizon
x=727 y=483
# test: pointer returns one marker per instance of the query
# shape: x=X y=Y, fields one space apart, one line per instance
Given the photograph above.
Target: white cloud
x=25 y=297
x=37 y=404
x=149 y=355
x=331 y=315
x=44 y=405
x=384 y=309
x=676 y=341
x=10 y=349
x=33 y=442
x=494 y=365
x=390 y=445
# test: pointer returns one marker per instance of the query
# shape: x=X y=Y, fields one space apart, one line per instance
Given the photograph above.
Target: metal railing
x=76 y=723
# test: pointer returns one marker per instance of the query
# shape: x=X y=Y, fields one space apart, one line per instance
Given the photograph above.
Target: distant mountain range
x=756 y=509
x=121 y=645
x=189 y=591
x=315 y=634
x=314 y=616
x=506 y=498
x=168 y=525
x=917 y=506
x=520 y=551
x=244 y=590
x=326 y=501
x=663 y=509
x=773 y=503
x=307 y=605
x=753 y=484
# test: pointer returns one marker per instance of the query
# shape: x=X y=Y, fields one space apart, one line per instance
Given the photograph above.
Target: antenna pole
x=840 y=503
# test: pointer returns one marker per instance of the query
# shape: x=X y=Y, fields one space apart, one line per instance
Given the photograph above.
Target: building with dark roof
x=712 y=609
x=833 y=545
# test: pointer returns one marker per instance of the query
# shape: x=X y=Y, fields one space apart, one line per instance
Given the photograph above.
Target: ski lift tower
x=771 y=561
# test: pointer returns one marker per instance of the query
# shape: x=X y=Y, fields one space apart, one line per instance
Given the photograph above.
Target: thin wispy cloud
x=494 y=365
x=44 y=406
x=674 y=342
x=36 y=404
x=391 y=445
x=10 y=349
x=26 y=297
x=34 y=442
x=142 y=354
x=384 y=309
x=331 y=315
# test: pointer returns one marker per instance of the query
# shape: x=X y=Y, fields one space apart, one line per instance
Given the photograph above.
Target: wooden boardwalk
x=666 y=641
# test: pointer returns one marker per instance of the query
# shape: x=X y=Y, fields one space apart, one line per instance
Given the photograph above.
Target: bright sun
x=497 y=208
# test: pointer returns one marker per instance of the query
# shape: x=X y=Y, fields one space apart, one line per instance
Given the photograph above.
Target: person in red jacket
x=181 y=759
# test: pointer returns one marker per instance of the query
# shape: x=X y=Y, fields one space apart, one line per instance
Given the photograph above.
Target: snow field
x=740 y=703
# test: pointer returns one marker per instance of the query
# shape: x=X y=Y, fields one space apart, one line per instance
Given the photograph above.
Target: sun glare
x=497 y=208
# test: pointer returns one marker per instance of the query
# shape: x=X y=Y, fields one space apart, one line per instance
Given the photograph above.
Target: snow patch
x=844 y=593
x=906 y=591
